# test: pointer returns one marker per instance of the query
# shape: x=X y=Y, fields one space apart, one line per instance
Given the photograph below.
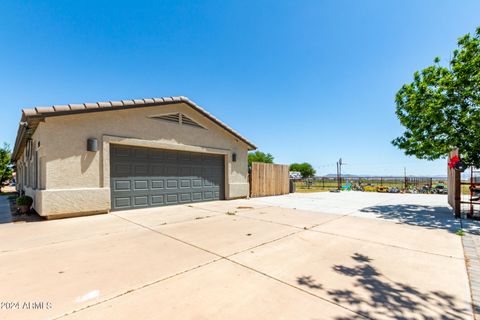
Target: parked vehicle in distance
x=440 y=188
x=393 y=190
x=357 y=187
x=370 y=188
x=295 y=175
x=425 y=189
x=382 y=189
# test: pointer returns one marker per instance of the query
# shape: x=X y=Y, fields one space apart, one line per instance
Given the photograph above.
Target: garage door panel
x=123 y=202
x=141 y=153
x=208 y=195
x=140 y=169
x=141 y=184
x=196 y=158
x=142 y=177
x=140 y=201
x=158 y=170
x=185 y=171
x=185 y=183
x=171 y=170
x=197 y=183
x=196 y=196
x=122 y=185
x=157 y=184
x=158 y=199
x=171 y=156
x=197 y=171
x=121 y=170
x=184 y=157
x=185 y=197
x=156 y=154
x=172 y=198
x=122 y=152
x=172 y=184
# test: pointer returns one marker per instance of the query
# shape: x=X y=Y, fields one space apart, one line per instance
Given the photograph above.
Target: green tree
x=305 y=169
x=259 y=156
x=5 y=164
x=440 y=109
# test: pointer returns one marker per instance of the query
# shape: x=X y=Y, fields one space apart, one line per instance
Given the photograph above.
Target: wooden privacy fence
x=267 y=179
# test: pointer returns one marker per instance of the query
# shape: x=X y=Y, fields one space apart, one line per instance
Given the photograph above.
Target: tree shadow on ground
x=373 y=295
x=431 y=217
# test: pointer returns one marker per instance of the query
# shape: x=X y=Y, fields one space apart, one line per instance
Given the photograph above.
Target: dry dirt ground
x=301 y=256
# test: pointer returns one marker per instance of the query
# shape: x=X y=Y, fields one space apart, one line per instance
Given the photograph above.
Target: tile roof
x=34 y=115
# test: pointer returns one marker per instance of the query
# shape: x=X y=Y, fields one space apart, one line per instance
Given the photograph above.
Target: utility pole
x=339 y=174
x=405 y=177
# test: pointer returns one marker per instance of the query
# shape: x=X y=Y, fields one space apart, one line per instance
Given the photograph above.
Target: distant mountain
x=333 y=175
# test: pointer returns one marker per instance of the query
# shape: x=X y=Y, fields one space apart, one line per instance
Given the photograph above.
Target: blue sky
x=304 y=80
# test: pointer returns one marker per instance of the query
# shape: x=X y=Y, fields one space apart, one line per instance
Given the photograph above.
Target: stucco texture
x=75 y=181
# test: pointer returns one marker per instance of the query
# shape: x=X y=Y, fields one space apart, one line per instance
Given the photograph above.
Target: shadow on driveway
x=377 y=296
x=431 y=217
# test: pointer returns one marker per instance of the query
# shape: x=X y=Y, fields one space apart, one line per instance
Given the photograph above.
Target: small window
x=28 y=150
x=36 y=171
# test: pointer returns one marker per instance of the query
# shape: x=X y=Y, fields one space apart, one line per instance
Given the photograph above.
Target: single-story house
x=81 y=159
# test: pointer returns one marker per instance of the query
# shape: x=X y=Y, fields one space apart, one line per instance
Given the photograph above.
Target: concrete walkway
x=242 y=259
x=471 y=245
x=5 y=214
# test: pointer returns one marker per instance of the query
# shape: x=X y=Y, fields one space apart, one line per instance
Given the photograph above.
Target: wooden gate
x=267 y=179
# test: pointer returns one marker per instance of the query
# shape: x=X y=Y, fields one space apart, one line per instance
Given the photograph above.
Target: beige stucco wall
x=77 y=181
x=25 y=180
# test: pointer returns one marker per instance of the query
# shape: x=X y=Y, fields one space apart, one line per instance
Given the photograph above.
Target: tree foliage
x=5 y=164
x=440 y=109
x=259 y=156
x=305 y=169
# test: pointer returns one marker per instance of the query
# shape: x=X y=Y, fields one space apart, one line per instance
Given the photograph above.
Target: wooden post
x=454 y=187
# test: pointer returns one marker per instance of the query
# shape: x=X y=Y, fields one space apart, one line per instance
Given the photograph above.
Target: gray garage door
x=145 y=177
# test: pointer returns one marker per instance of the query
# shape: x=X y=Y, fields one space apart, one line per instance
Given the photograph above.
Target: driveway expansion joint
x=138 y=288
x=347 y=237
x=300 y=289
x=221 y=257
x=53 y=243
x=387 y=245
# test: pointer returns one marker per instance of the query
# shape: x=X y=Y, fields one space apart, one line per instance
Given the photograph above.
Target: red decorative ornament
x=453 y=161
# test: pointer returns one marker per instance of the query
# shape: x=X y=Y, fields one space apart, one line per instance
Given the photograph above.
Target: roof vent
x=174 y=117
x=189 y=122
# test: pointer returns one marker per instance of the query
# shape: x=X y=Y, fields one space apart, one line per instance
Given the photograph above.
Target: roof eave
x=41 y=113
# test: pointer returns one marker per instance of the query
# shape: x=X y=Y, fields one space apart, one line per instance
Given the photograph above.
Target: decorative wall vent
x=178 y=118
x=174 y=117
x=189 y=122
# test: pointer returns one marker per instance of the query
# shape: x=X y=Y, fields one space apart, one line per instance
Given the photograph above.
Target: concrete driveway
x=302 y=256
